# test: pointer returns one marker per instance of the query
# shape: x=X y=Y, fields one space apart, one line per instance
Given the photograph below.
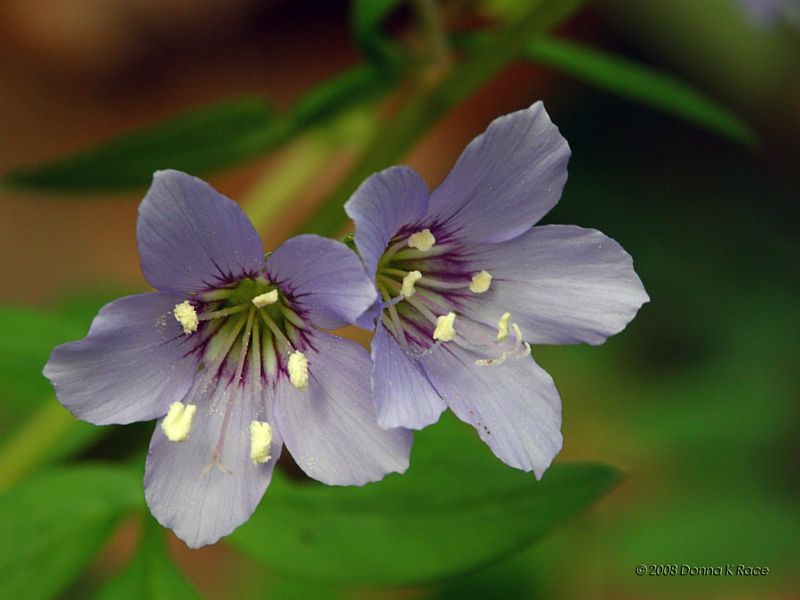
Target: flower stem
x=432 y=98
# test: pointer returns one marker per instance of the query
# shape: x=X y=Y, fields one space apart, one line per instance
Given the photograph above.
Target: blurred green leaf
x=367 y=18
x=640 y=83
x=151 y=575
x=35 y=429
x=196 y=141
x=433 y=99
x=54 y=524
x=26 y=338
x=360 y=85
x=457 y=508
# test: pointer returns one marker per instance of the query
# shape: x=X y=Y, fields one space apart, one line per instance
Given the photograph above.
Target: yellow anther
x=265 y=299
x=178 y=422
x=480 y=282
x=502 y=327
x=444 y=328
x=186 y=315
x=298 y=370
x=408 y=283
x=422 y=240
x=260 y=439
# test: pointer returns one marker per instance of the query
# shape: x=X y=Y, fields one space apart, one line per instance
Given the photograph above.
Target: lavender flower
x=228 y=355
x=468 y=283
x=770 y=12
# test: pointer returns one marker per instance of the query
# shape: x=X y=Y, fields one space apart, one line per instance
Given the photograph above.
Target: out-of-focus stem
x=430 y=19
x=305 y=158
x=432 y=98
x=33 y=442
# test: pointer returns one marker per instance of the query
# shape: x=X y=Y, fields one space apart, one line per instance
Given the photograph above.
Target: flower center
x=245 y=334
x=425 y=279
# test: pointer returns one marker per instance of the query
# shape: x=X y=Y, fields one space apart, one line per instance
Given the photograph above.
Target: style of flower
x=467 y=283
x=229 y=356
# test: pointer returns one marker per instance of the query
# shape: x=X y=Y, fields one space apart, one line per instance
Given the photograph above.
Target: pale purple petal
x=191 y=237
x=200 y=500
x=562 y=284
x=403 y=395
x=330 y=427
x=505 y=180
x=381 y=206
x=324 y=279
x=131 y=365
x=514 y=406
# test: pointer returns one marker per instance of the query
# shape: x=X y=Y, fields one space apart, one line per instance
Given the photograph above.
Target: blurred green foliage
x=697 y=401
x=455 y=509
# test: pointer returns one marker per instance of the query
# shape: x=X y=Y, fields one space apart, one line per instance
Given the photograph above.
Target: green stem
x=430 y=20
x=304 y=160
x=33 y=442
x=432 y=99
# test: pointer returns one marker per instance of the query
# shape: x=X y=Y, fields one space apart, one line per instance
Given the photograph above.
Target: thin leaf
x=641 y=84
x=196 y=141
x=151 y=575
x=434 y=99
x=457 y=508
x=53 y=525
x=360 y=85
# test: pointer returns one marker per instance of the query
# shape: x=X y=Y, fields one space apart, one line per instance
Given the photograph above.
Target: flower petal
x=402 y=394
x=506 y=179
x=330 y=427
x=186 y=490
x=324 y=278
x=191 y=237
x=562 y=284
x=514 y=406
x=130 y=366
x=381 y=206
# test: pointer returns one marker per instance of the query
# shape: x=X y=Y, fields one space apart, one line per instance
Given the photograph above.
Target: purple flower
x=467 y=282
x=770 y=12
x=228 y=355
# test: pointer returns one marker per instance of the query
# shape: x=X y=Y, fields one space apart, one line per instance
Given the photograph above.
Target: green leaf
x=54 y=524
x=456 y=508
x=27 y=337
x=366 y=18
x=642 y=84
x=151 y=575
x=196 y=141
x=433 y=100
x=359 y=85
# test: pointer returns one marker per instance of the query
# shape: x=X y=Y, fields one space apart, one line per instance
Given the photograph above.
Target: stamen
x=265 y=299
x=223 y=312
x=178 y=422
x=520 y=349
x=480 y=282
x=260 y=439
x=408 y=283
x=298 y=370
x=444 y=328
x=422 y=240
x=502 y=327
x=186 y=315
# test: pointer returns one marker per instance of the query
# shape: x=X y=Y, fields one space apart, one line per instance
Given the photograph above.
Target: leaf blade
x=198 y=140
x=456 y=509
x=152 y=575
x=54 y=524
x=640 y=83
